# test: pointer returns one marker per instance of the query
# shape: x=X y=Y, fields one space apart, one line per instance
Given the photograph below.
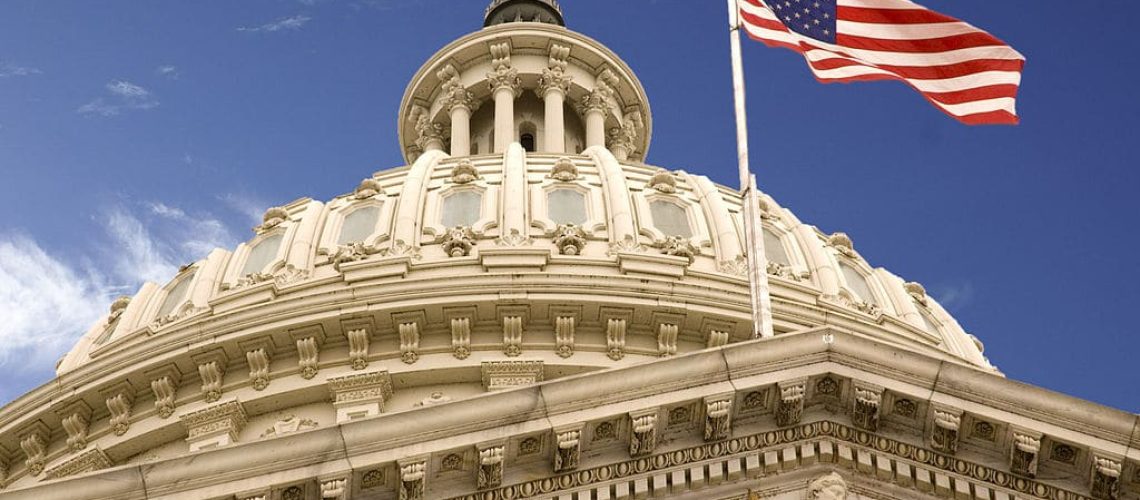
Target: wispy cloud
x=954 y=296
x=292 y=23
x=48 y=301
x=8 y=69
x=252 y=207
x=168 y=71
x=124 y=96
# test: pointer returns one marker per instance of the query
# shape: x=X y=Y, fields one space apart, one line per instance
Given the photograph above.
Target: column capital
x=454 y=94
x=598 y=99
x=554 y=79
x=430 y=133
x=502 y=75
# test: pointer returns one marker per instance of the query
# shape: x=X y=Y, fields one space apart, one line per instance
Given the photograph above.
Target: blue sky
x=134 y=136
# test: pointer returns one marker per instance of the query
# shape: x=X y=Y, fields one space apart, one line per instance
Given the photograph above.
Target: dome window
x=670 y=219
x=527 y=141
x=462 y=208
x=176 y=296
x=774 y=249
x=566 y=206
x=857 y=283
x=359 y=225
x=261 y=255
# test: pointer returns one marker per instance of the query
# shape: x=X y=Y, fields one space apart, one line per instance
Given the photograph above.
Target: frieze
x=88 y=461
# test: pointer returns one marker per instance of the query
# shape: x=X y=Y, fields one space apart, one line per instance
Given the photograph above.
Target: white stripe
x=881 y=4
x=767 y=34
x=757 y=11
x=984 y=106
x=983 y=79
x=904 y=31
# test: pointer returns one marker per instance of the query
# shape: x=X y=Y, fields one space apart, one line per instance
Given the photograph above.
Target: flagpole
x=761 y=301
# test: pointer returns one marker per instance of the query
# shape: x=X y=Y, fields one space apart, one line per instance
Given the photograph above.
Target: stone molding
x=498 y=375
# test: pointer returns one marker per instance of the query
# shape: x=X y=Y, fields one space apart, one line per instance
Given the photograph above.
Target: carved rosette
x=570 y=239
x=458 y=241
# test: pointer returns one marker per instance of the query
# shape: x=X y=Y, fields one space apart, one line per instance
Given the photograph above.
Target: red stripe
x=930 y=72
x=891 y=16
x=944 y=44
x=763 y=23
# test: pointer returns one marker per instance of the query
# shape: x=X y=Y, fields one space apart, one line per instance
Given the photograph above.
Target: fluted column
x=552 y=88
x=505 y=86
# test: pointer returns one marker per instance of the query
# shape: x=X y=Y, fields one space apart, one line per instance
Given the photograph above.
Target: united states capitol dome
x=525 y=240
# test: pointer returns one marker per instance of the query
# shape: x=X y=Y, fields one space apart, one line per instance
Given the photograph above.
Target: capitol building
x=526 y=309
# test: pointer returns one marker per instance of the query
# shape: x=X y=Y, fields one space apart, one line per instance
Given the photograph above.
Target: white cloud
x=251 y=207
x=292 y=23
x=9 y=69
x=124 y=96
x=954 y=296
x=47 y=302
x=168 y=71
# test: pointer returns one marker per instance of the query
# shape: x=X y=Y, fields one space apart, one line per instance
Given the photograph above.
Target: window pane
x=462 y=208
x=358 y=225
x=176 y=296
x=857 y=284
x=670 y=219
x=774 y=249
x=261 y=255
x=567 y=206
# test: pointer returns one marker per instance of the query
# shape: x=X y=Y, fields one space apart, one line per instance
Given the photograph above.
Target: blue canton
x=810 y=18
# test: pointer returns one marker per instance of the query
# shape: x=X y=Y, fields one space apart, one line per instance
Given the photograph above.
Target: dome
x=525 y=240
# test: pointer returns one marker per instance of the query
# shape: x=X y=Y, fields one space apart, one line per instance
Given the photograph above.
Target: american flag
x=964 y=71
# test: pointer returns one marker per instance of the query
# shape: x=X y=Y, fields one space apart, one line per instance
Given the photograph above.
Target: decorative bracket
x=791 y=405
x=865 y=411
x=568 y=447
x=944 y=432
x=718 y=417
x=1024 y=451
x=413 y=474
x=643 y=432
x=490 y=471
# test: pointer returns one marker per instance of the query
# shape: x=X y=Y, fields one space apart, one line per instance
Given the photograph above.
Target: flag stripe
x=964 y=71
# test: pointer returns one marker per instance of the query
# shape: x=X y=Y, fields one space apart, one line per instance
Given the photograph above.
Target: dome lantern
x=507 y=11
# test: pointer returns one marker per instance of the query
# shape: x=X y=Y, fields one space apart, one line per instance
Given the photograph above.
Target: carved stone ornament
x=293 y=493
x=628 y=244
x=458 y=241
x=917 y=291
x=791 y=404
x=248 y=280
x=564 y=170
x=88 y=461
x=308 y=357
x=334 y=489
x=554 y=76
x=865 y=413
x=663 y=181
x=570 y=239
x=412 y=476
x=781 y=270
x=680 y=247
x=358 y=347
x=502 y=75
x=490 y=472
x=117 y=307
x=564 y=336
x=409 y=342
x=514 y=373
x=120 y=407
x=367 y=188
x=435 y=398
x=273 y=217
x=35 y=451
x=258 y=360
x=643 y=433
x=352 y=252
x=289 y=425
x=184 y=311
x=597 y=100
x=211 y=373
x=735 y=267
x=451 y=462
x=454 y=94
x=615 y=338
x=430 y=133
x=622 y=140
x=567 y=451
x=717 y=338
x=464 y=172
x=1105 y=478
x=513 y=239
x=512 y=335
x=829 y=487
x=364 y=387
x=289 y=275
x=944 y=436
x=218 y=424
x=842 y=244
x=372 y=478
x=75 y=420
x=1023 y=455
x=667 y=339
x=906 y=408
x=718 y=413
x=461 y=337
x=863 y=306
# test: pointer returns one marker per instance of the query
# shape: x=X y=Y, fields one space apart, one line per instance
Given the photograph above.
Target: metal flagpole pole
x=761 y=302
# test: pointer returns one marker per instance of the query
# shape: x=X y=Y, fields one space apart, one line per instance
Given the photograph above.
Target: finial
x=539 y=11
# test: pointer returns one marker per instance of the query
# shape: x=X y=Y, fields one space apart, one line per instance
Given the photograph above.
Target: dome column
x=460 y=103
x=593 y=108
x=505 y=86
x=552 y=88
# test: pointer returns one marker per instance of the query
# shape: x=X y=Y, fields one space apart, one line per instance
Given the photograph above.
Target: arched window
x=359 y=225
x=462 y=208
x=670 y=219
x=774 y=249
x=261 y=255
x=527 y=141
x=566 y=206
x=176 y=296
x=857 y=283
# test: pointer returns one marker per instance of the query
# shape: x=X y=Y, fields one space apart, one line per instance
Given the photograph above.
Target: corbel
x=944 y=428
x=868 y=398
x=568 y=447
x=718 y=416
x=258 y=355
x=120 y=400
x=489 y=474
x=413 y=475
x=164 y=384
x=643 y=431
x=308 y=340
x=790 y=407
x=75 y=417
x=211 y=370
x=408 y=326
x=1024 y=452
